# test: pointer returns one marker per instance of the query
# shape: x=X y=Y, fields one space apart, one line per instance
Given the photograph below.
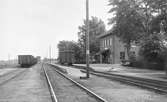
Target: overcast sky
x=30 y=26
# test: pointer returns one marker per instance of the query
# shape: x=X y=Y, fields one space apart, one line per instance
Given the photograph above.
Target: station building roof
x=108 y=33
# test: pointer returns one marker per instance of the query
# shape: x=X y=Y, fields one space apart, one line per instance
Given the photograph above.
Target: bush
x=153 y=53
x=132 y=59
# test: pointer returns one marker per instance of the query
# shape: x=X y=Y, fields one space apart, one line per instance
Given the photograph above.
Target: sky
x=31 y=26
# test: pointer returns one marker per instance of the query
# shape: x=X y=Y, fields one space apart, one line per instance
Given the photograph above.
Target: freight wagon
x=66 y=57
x=26 y=60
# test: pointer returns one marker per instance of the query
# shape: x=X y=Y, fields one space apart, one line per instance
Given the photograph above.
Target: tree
x=144 y=21
x=152 y=13
x=161 y=18
x=127 y=22
x=154 y=51
x=96 y=27
x=136 y=19
x=72 y=46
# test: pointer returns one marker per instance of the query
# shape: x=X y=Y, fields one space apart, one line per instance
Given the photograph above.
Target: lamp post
x=87 y=39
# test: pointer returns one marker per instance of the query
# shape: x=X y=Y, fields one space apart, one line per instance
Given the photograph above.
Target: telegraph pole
x=9 y=58
x=87 y=39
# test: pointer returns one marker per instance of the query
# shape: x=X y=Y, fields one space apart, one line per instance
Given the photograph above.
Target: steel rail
x=133 y=77
x=81 y=86
x=157 y=85
x=137 y=82
x=54 y=98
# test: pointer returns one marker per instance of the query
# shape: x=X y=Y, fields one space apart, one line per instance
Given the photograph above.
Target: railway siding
x=145 y=82
x=67 y=91
x=114 y=91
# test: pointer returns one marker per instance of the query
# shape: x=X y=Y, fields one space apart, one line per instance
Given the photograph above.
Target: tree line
x=141 y=21
x=96 y=28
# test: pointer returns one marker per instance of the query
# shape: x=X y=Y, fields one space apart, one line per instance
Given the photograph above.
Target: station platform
x=129 y=71
x=71 y=71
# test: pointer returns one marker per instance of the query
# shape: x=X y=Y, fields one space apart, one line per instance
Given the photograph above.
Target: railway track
x=53 y=96
x=155 y=85
x=65 y=89
x=151 y=84
x=11 y=75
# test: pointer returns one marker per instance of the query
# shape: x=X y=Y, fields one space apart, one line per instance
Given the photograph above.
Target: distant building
x=112 y=50
x=38 y=58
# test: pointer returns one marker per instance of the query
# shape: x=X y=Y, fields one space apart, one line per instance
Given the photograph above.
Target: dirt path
x=28 y=87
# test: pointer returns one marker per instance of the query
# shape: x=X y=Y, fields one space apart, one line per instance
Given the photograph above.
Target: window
x=103 y=43
x=122 y=55
x=106 y=42
x=110 y=41
x=132 y=52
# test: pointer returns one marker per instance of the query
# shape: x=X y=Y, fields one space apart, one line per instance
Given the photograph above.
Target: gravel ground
x=114 y=91
x=29 y=86
x=67 y=91
x=5 y=71
x=6 y=65
x=6 y=76
x=118 y=92
x=72 y=71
